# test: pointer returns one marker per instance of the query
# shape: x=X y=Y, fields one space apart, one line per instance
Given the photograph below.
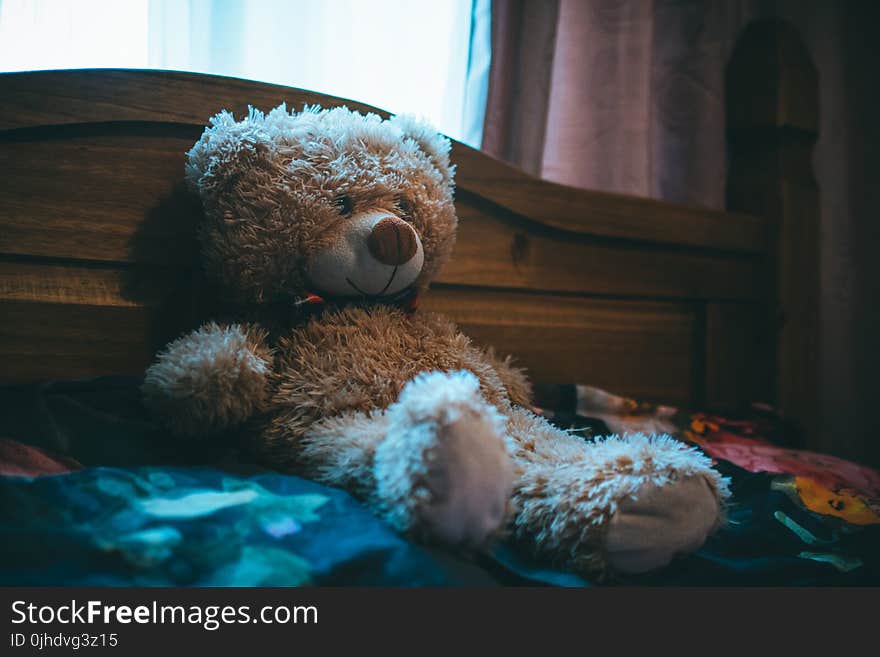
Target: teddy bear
x=320 y=229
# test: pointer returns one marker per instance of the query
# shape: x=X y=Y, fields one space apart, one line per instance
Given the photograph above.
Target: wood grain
x=80 y=285
x=29 y=100
x=97 y=246
x=71 y=321
x=114 y=197
x=644 y=349
x=772 y=91
x=605 y=214
x=119 y=197
x=502 y=250
x=51 y=341
x=62 y=322
x=739 y=350
x=772 y=80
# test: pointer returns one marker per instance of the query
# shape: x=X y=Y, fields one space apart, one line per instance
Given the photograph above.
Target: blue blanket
x=171 y=526
x=150 y=511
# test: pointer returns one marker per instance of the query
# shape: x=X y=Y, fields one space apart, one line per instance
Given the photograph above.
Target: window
x=426 y=58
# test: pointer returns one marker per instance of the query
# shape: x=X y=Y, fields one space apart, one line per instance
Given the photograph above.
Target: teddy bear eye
x=344 y=204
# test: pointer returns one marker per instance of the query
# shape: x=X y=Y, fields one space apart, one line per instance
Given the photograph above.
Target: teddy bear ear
x=225 y=148
x=434 y=144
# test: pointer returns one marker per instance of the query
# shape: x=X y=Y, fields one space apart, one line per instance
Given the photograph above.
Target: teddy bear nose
x=392 y=241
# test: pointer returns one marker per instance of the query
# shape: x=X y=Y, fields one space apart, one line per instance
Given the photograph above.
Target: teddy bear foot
x=444 y=472
x=659 y=522
x=469 y=476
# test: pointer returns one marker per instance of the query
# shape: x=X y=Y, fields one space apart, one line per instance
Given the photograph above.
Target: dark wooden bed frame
x=660 y=301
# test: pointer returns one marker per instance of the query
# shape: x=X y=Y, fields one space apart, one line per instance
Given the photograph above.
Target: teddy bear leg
x=617 y=504
x=341 y=451
x=444 y=471
x=435 y=464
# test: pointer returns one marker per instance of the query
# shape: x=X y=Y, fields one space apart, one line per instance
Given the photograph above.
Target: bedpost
x=772 y=125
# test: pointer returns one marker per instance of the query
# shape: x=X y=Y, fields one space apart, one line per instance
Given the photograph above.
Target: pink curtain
x=523 y=52
x=617 y=95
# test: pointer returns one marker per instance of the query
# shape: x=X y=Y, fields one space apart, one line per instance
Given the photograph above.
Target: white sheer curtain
x=426 y=58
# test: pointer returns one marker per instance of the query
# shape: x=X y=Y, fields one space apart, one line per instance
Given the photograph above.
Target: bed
x=700 y=322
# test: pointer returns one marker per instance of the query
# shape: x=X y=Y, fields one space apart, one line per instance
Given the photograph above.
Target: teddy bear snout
x=392 y=241
x=374 y=254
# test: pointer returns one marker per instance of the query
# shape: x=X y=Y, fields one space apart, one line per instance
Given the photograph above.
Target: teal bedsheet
x=96 y=494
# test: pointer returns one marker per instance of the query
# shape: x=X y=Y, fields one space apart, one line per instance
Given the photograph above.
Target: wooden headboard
x=97 y=253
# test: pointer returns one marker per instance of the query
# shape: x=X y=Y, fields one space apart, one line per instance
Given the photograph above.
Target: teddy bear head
x=330 y=202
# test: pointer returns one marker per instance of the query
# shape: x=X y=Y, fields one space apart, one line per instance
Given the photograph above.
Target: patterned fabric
x=797 y=517
x=824 y=484
x=24 y=460
x=168 y=513
x=165 y=526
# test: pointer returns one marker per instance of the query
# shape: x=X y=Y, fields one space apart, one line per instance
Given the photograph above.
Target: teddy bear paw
x=660 y=522
x=469 y=476
x=444 y=471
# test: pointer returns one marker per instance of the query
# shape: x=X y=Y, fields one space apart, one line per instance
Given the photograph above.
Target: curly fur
x=358 y=360
x=570 y=488
x=212 y=379
x=344 y=396
x=514 y=379
x=269 y=184
x=430 y=403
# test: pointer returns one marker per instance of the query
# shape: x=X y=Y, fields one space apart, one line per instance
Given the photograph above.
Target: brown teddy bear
x=320 y=227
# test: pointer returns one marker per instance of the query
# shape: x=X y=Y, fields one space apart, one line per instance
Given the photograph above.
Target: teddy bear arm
x=617 y=504
x=210 y=380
